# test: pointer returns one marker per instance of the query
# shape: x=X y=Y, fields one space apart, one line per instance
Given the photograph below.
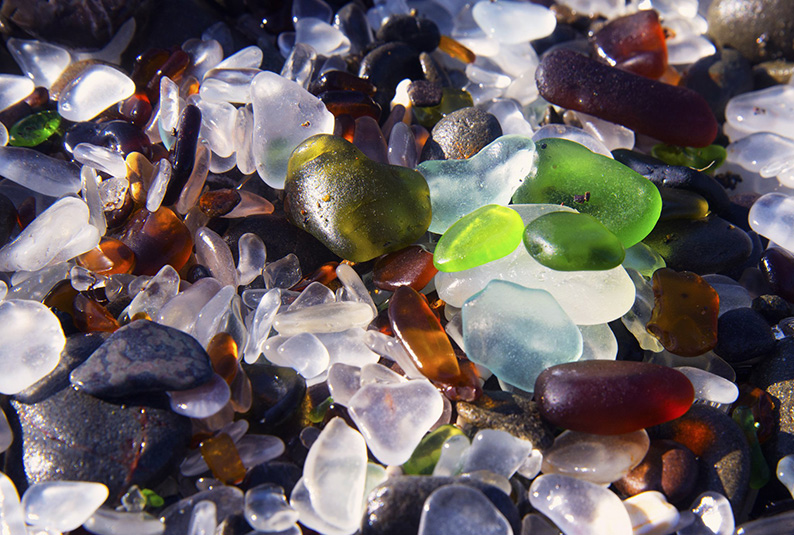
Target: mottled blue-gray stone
x=140 y=357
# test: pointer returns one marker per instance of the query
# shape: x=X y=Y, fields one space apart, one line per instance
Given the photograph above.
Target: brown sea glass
x=222 y=350
x=110 y=257
x=90 y=316
x=456 y=50
x=341 y=81
x=606 y=397
x=685 y=311
x=635 y=43
x=224 y=461
x=156 y=238
x=353 y=103
x=411 y=266
x=219 y=202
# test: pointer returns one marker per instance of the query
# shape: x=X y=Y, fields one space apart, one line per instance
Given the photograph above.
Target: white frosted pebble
x=713 y=515
x=496 y=451
x=531 y=466
x=213 y=252
x=574 y=134
x=785 y=472
x=510 y=117
x=169 y=104
x=343 y=382
x=14 y=88
x=35 y=285
x=198 y=176
x=110 y=522
x=578 y=507
x=461 y=510
x=765 y=110
x=389 y=347
x=267 y=509
x=12 y=516
x=158 y=291
x=93 y=198
x=228 y=85
x=598 y=342
x=393 y=418
x=335 y=474
x=182 y=310
x=205 y=54
x=100 y=158
x=39 y=172
x=324 y=38
x=6 y=435
x=62 y=505
x=328 y=318
x=300 y=64
x=349 y=347
x=285 y=114
x=98 y=87
x=771 y=216
x=686 y=45
x=314 y=294
x=249 y=57
x=243 y=139
x=537 y=524
x=42 y=62
x=303 y=352
x=311 y=8
x=159 y=185
x=301 y=501
x=252 y=257
x=710 y=387
x=257 y=449
x=32 y=343
x=354 y=287
x=209 y=318
x=762 y=152
x=378 y=374
x=708 y=361
x=613 y=136
x=600 y=459
x=283 y=273
x=513 y=22
x=651 y=514
x=264 y=316
x=202 y=401
x=453 y=453
x=203 y=519
x=607 y=8
x=217 y=125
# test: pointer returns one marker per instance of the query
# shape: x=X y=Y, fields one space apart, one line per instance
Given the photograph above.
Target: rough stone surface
x=776 y=376
x=720 y=77
x=669 y=467
x=759 y=29
x=744 y=335
x=461 y=134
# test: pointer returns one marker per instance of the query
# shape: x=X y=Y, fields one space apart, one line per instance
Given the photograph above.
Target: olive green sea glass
x=35 y=129
x=486 y=234
x=567 y=241
x=624 y=201
x=358 y=208
x=706 y=159
x=426 y=454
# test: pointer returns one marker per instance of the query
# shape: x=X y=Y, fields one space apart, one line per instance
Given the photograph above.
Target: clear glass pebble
x=6 y=435
x=402 y=146
x=249 y=57
x=496 y=451
x=510 y=116
x=42 y=62
x=283 y=273
x=710 y=387
x=257 y=449
x=572 y=133
x=97 y=88
x=613 y=136
x=62 y=505
x=181 y=311
x=765 y=110
x=110 y=522
x=328 y=318
x=160 y=289
x=267 y=509
x=301 y=500
x=209 y=318
x=343 y=382
x=378 y=374
x=713 y=516
x=640 y=314
x=228 y=85
x=348 y=347
x=93 y=199
x=12 y=516
x=304 y=353
x=453 y=454
x=170 y=107
x=101 y=158
x=732 y=294
x=785 y=472
x=325 y=39
x=772 y=216
x=252 y=257
x=39 y=172
x=355 y=290
x=531 y=466
x=461 y=510
x=203 y=401
x=214 y=253
x=264 y=316
x=217 y=126
x=203 y=519
x=513 y=22
x=205 y=54
x=243 y=139
x=194 y=186
x=598 y=342
x=651 y=514
x=300 y=64
x=14 y=88
x=314 y=294
x=764 y=153
x=111 y=52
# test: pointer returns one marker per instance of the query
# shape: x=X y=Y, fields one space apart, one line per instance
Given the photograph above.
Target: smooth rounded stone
x=669 y=467
x=393 y=418
x=759 y=29
x=106 y=521
x=566 y=241
x=779 y=523
x=143 y=356
x=258 y=449
x=600 y=459
x=267 y=509
x=125 y=444
x=578 y=506
x=775 y=375
x=764 y=153
x=720 y=77
x=484 y=235
x=387 y=65
x=458 y=187
x=62 y=505
x=744 y=335
x=357 y=207
x=203 y=518
x=14 y=88
x=343 y=382
x=763 y=110
x=228 y=501
x=33 y=341
x=772 y=307
x=97 y=87
x=709 y=245
x=513 y=22
x=724 y=456
x=458 y=509
x=785 y=472
x=42 y=62
x=285 y=114
x=568 y=173
x=395 y=507
x=598 y=342
x=518 y=332
x=461 y=134
x=11 y=512
x=712 y=514
x=642 y=395
x=651 y=514
x=571 y=133
x=769 y=216
x=497 y=451
x=304 y=352
x=424 y=93
x=419 y=32
x=710 y=387
x=451 y=456
x=327 y=318
x=58 y=234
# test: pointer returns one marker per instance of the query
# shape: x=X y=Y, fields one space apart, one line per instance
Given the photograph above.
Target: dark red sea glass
x=157 y=238
x=634 y=43
x=411 y=266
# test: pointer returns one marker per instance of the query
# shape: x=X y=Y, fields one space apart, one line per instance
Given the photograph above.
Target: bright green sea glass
x=426 y=454
x=34 y=129
x=706 y=159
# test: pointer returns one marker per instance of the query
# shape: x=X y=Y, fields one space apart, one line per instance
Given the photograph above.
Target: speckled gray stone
x=143 y=356
x=776 y=376
x=759 y=29
x=461 y=134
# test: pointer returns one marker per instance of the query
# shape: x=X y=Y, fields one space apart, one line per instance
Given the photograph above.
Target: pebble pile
x=397 y=267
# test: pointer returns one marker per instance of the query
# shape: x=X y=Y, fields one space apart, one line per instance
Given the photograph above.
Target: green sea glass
x=358 y=208
x=426 y=454
x=568 y=173
x=568 y=241
x=706 y=159
x=486 y=234
x=35 y=129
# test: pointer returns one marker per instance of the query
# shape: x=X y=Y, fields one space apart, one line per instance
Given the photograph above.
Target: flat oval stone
x=568 y=173
x=486 y=234
x=567 y=241
x=144 y=356
x=358 y=208
x=640 y=395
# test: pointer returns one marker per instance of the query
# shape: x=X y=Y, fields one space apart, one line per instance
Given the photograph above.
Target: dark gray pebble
x=744 y=335
x=776 y=376
x=720 y=77
x=277 y=394
x=424 y=93
x=461 y=134
x=8 y=219
x=388 y=65
x=418 y=32
x=143 y=356
x=759 y=29
x=772 y=307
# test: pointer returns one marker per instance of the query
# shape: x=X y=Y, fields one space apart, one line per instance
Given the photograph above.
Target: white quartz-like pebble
x=461 y=510
x=202 y=401
x=159 y=185
x=453 y=454
x=328 y=318
x=303 y=352
x=264 y=316
x=579 y=507
x=283 y=273
x=772 y=216
x=6 y=435
x=101 y=158
x=98 y=87
x=764 y=153
x=257 y=449
x=379 y=374
x=228 y=85
x=785 y=472
x=217 y=125
x=343 y=382
x=183 y=309
x=354 y=287
x=39 y=172
x=32 y=343
x=765 y=110
x=600 y=459
x=12 y=516
x=335 y=474
x=710 y=387
x=42 y=62
x=324 y=38
x=267 y=509
x=214 y=253
x=243 y=139
x=598 y=342
x=62 y=505
x=713 y=515
x=572 y=133
x=285 y=114
x=110 y=522
x=158 y=291
x=252 y=257
x=393 y=418
x=93 y=198
x=496 y=451
x=732 y=294
x=651 y=513
x=613 y=136
x=314 y=294
x=513 y=22
x=203 y=519
x=301 y=500
x=14 y=88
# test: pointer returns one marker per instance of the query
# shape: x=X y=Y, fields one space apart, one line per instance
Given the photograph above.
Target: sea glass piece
x=285 y=114
x=759 y=468
x=411 y=266
x=62 y=505
x=600 y=459
x=709 y=386
x=157 y=238
x=634 y=43
x=704 y=159
x=685 y=312
x=497 y=451
x=325 y=318
x=203 y=401
x=157 y=292
x=14 y=88
x=358 y=208
x=567 y=241
x=513 y=22
x=35 y=129
x=426 y=454
x=42 y=62
x=214 y=253
x=713 y=514
x=393 y=418
x=641 y=395
x=679 y=116
x=624 y=201
x=785 y=472
x=39 y=172
x=578 y=506
x=518 y=332
x=764 y=153
x=97 y=87
x=458 y=187
x=486 y=234
x=458 y=509
x=12 y=515
x=220 y=454
x=571 y=133
x=765 y=110
x=651 y=513
x=267 y=509
x=770 y=216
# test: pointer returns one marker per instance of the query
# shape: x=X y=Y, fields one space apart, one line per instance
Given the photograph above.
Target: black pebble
x=424 y=93
x=418 y=32
x=744 y=335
